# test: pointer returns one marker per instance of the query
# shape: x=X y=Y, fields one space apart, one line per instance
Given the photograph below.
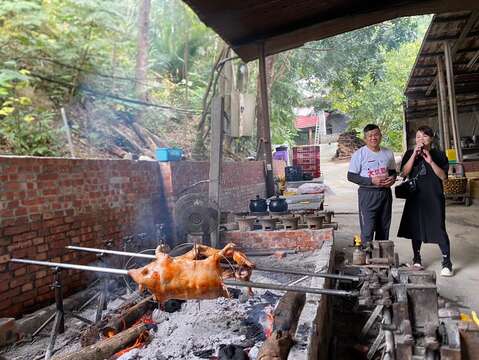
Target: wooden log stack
x=348 y=143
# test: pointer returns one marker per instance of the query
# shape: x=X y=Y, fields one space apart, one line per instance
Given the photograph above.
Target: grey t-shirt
x=368 y=163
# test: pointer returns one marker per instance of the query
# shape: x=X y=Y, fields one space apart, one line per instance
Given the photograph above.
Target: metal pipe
x=112 y=252
x=226 y=282
x=389 y=336
x=289 y=288
x=305 y=273
x=257 y=267
x=72 y=266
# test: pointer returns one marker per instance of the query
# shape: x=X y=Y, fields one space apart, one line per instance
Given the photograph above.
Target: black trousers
x=375 y=207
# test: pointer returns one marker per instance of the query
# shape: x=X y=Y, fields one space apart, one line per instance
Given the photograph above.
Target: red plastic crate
x=308 y=158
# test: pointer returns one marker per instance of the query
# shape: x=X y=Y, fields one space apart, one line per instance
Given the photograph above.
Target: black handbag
x=407 y=188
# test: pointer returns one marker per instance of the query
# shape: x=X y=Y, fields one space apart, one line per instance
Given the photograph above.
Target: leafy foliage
x=23 y=128
x=85 y=49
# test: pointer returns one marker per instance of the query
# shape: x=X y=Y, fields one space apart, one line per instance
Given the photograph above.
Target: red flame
x=268 y=322
x=140 y=340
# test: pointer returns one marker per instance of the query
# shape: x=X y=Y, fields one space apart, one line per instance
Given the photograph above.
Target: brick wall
x=47 y=204
x=471 y=166
x=302 y=239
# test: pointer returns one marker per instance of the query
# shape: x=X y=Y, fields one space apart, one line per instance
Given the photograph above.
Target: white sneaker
x=447 y=272
x=417 y=266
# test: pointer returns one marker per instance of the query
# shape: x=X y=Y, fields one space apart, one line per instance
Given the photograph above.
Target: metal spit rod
x=226 y=282
x=257 y=267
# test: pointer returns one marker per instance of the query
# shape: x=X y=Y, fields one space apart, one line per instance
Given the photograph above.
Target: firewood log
x=107 y=347
x=286 y=314
x=276 y=347
x=128 y=317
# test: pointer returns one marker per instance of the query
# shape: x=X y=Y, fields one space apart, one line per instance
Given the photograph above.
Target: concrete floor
x=462 y=224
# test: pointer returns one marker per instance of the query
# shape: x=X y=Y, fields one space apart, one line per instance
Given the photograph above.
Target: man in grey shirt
x=373 y=168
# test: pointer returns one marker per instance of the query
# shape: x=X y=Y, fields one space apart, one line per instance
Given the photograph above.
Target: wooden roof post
x=452 y=100
x=440 y=126
x=216 y=160
x=266 y=135
x=442 y=104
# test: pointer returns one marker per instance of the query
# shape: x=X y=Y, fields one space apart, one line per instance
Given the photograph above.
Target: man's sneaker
x=417 y=265
x=447 y=271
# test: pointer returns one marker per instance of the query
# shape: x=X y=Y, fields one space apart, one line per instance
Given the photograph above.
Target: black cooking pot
x=278 y=205
x=258 y=205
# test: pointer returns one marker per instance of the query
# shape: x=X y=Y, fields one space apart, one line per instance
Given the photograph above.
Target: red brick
x=31 y=202
x=48 y=192
x=47 y=176
x=42 y=248
x=53 y=222
x=60 y=229
x=20 y=272
x=13 y=186
x=24 y=237
x=13 y=204
x=26 y=287
x=9 y=294
x=19 y=281
x=38 y=241
x=5 y=304
x=25 y=295
x=40 y=274
x=12 y=230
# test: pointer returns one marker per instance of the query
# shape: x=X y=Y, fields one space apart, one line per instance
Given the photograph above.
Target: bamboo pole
x=443 y=103
x=452 y=100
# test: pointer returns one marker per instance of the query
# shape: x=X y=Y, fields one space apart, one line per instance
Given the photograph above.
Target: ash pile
x=348 y=143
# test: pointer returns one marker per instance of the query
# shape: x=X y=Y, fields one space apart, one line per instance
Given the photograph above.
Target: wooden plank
x=216 y=157
x=452 y=100
x=266 y=136
x=475 y=57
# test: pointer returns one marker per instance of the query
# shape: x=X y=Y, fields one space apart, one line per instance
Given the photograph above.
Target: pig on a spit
x=198 y=274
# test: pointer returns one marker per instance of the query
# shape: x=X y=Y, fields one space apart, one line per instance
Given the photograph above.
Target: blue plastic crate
x=168 y=154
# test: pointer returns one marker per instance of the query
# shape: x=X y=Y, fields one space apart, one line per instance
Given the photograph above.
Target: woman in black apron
x=423 y=219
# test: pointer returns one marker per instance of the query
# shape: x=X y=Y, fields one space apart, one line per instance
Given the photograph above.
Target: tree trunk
x=142 y=53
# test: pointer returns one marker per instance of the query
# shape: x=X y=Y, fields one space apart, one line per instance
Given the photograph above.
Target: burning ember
x=268 y=321
x=140 y=341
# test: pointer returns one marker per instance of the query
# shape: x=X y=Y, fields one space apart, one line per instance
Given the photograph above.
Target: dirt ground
x=462 y=224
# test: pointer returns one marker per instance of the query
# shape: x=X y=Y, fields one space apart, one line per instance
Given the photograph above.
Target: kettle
x=258 y=205
x=278 y=205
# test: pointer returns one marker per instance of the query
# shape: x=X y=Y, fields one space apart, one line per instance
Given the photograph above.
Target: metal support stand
x=102 y=301
x=59 y=322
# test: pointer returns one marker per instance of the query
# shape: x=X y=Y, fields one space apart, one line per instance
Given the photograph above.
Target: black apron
x=424 y=214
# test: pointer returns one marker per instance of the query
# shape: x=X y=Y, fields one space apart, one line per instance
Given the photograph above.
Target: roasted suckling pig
x=198 y=274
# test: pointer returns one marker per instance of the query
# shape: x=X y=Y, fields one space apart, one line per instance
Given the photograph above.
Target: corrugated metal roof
x=306 y=122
